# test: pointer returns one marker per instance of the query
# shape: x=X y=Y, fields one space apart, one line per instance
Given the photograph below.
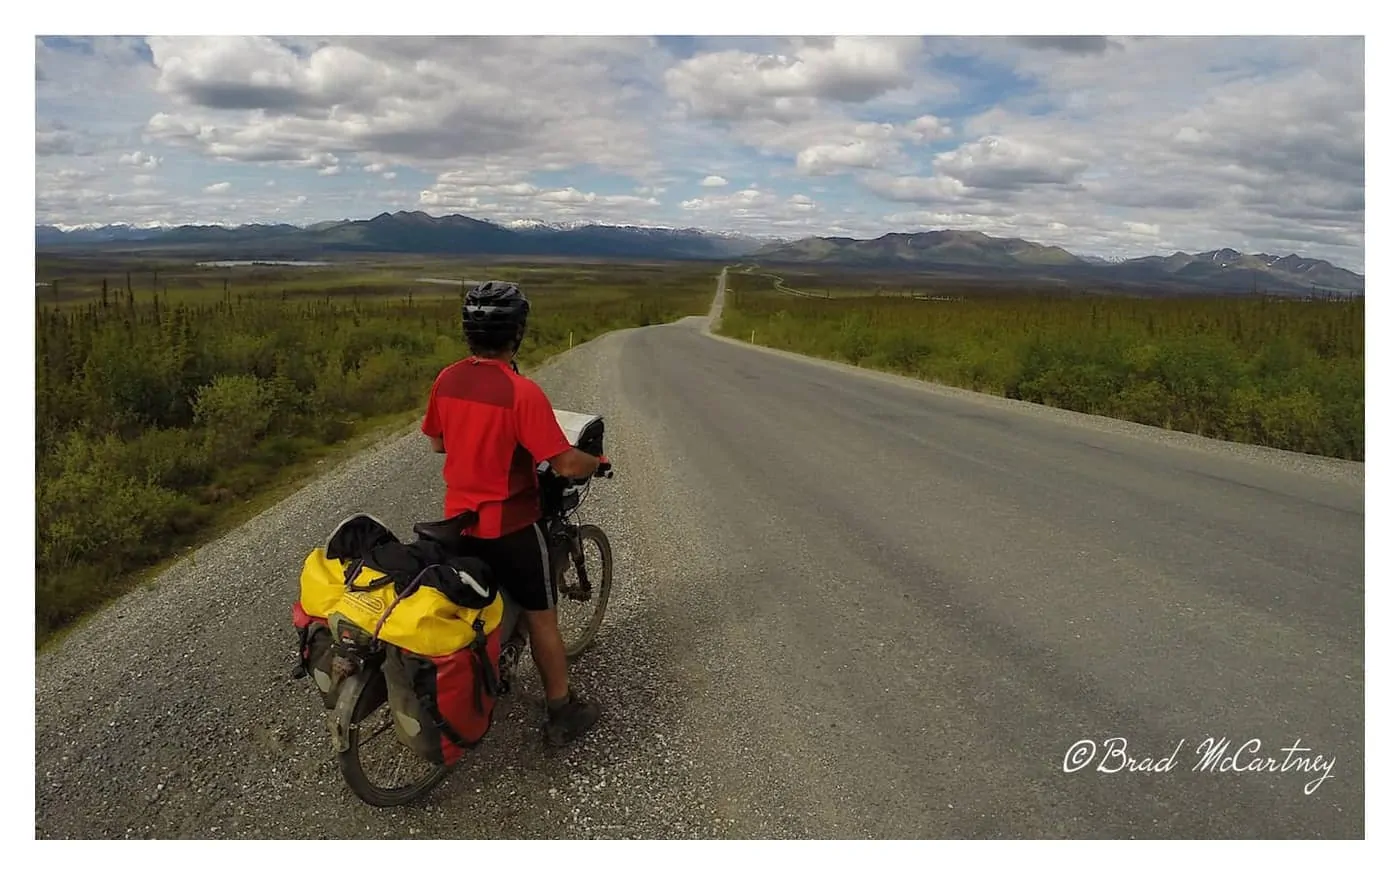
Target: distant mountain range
x=972 y=252
x=926 y=248
x=414 y=232
x=965 y=253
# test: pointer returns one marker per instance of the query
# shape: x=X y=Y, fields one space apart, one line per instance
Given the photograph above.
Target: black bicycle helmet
x=494 y=316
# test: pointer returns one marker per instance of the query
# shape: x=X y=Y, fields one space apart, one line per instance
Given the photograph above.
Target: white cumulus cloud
x=733 y=84
x=139 y=160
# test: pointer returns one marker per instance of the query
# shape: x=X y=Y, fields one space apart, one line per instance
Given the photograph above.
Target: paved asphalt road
x=847 y=605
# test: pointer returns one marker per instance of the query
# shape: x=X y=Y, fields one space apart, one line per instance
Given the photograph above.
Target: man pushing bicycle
x=495 y=427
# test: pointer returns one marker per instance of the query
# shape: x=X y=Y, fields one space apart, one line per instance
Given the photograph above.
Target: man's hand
x=438 y=445
x=574 y=464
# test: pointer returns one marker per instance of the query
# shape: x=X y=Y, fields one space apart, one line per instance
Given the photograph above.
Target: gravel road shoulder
x=170 y=712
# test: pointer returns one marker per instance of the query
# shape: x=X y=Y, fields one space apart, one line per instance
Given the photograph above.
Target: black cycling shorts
x=520 y=564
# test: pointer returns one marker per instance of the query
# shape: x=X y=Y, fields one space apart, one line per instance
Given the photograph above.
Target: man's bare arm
x=574 y=464
x=438 y=445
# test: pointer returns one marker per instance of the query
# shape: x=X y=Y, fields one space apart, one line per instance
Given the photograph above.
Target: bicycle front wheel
x=583 y=576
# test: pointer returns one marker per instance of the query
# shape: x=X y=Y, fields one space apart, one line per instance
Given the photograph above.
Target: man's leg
x=531 y=586
x=547 y=646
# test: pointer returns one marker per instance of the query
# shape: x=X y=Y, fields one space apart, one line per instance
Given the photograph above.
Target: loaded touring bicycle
x=410 y=644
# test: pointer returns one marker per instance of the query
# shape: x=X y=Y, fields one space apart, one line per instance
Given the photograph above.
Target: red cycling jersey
x=496 y=426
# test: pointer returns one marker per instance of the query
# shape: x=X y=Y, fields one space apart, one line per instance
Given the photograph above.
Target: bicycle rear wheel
x=583 y=576
x=379 y=768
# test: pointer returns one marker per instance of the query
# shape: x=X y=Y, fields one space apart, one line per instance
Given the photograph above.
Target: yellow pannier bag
x=424 y=621
x=323 y=583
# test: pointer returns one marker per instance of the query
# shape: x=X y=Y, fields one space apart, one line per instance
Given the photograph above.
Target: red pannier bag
x=443 y=705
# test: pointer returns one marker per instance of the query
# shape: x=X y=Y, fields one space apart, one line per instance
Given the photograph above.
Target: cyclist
x=495 y=427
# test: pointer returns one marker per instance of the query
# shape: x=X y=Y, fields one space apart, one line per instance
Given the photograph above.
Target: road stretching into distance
x=846 y=605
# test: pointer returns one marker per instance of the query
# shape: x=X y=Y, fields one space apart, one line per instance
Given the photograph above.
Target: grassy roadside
x=1276 y=373
x=287 y=481
x=161 y=427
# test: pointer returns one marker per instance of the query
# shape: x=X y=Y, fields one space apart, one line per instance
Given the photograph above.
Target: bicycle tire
x=601 y=589
x=370 y=696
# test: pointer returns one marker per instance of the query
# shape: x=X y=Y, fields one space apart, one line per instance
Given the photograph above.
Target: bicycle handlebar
x=604 y=470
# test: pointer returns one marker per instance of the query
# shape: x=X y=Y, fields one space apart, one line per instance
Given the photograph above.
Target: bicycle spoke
x=388 y=724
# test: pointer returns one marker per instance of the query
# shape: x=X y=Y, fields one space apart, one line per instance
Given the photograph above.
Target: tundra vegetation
x=173 y=400
x=1272 y=371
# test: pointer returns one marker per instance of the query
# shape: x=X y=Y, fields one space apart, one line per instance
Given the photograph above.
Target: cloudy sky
x=1107 y=146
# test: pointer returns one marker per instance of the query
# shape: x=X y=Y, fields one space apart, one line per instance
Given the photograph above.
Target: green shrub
x=173 y=458
x=234 y=412
x=904 y=351
x=857 y=338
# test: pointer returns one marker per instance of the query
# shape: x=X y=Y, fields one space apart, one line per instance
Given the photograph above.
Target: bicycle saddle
x=445 y=531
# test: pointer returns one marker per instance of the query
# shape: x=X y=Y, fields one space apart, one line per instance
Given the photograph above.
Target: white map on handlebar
x=574 y=424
